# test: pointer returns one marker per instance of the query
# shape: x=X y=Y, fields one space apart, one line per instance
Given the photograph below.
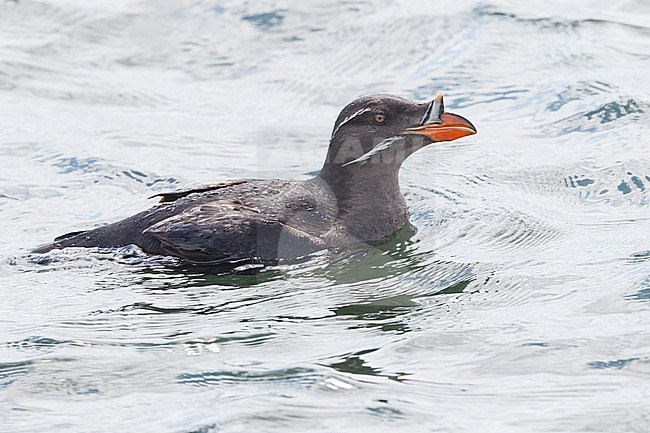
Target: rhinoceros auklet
x=354 y=199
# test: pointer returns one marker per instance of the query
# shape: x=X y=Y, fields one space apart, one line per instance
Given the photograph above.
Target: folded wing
x=227 y=230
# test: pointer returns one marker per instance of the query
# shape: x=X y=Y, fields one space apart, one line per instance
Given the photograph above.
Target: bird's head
x=381 y=131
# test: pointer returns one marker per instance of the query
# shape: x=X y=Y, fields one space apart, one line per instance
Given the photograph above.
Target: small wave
x=600 y=118
x=296 y=375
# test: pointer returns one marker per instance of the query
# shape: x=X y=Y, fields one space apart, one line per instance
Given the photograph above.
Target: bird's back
x=233 y=220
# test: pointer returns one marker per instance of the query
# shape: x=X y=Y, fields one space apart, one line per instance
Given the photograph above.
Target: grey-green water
x=522 y=303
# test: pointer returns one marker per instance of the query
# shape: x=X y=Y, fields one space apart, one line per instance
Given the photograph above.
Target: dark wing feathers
x=166 y=197
x=228 y=230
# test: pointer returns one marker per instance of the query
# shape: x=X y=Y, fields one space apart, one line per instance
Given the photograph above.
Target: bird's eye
x=380 y=118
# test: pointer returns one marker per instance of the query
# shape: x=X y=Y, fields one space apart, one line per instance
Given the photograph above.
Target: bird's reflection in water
x=400 y=260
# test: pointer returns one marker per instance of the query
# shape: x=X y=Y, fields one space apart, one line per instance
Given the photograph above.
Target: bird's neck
x=371 y=205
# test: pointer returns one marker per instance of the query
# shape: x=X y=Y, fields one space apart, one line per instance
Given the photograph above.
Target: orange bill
x=450 y=127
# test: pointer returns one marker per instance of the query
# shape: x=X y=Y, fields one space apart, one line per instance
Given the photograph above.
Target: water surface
x=521 y=304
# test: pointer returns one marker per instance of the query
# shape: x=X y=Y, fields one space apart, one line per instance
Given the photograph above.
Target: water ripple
x=299 y=376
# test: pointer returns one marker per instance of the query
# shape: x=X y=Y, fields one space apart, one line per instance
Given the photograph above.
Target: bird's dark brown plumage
x=355 y=198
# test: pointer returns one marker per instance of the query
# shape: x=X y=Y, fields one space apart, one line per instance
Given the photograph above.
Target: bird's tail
x=71 y=239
